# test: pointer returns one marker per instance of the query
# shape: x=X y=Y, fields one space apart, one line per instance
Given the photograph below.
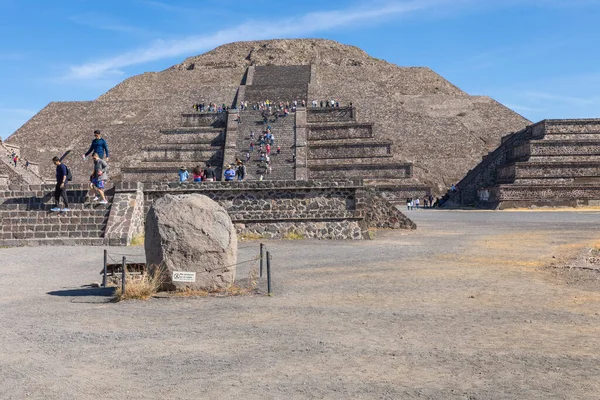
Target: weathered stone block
x=191 y=233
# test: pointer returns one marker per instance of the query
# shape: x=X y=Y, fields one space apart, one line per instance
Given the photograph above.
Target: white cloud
x=106 y=23
x=252 y=30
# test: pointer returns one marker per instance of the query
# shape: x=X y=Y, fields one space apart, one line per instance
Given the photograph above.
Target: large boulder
x=191 y=233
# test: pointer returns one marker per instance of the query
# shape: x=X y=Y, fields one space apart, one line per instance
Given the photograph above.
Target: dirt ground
x=472 y=305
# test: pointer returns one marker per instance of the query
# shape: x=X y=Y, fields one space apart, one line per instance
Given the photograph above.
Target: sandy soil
x=472 y=305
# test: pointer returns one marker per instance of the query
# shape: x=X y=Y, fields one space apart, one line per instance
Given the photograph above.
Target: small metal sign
x=184 y=276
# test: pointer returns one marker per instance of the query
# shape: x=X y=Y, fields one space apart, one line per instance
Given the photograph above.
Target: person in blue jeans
x=61 y=186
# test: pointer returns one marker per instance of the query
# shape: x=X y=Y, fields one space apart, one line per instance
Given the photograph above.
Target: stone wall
x=486 y=173
x=342 y=209
x=381 y=213
x=127 y=214
x=349 y=150
x=328 y=114
x=360 y=171
x=553 y=162
x=341 y=131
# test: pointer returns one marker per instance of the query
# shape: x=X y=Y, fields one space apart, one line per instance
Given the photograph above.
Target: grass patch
x=141 y=289
x=137 y=240
x=242 y=237
x=294 y=236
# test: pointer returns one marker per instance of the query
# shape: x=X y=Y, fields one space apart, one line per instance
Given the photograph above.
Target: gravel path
x=462 y=308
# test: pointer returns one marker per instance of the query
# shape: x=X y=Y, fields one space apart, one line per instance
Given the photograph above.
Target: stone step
x=355 y=148
x=62 y=241
x=204 y=119
x=47 y=203
x=564 y=158
x=361 y=171
x=338 y=131
x=280 y=75
x=180 y=155
x=584 y=181
x=327 y=114
x=571 y=148
x=276 y=94
x=52 y=231
x=544 y=192
x=184 y=146
x=350 y=162
x=510 y=172
x=172 y=166
x=212 y=139
x=553 y=136
x=37 y=217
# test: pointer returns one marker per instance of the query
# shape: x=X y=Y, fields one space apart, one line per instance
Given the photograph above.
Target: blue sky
x=539 y=57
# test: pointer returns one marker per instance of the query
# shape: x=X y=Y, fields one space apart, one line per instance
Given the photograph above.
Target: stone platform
x=340 y=209
x=551 y=163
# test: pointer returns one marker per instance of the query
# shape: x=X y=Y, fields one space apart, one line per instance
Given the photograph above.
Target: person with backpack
x=62 y=177
x=99 y=177
x=98 y=146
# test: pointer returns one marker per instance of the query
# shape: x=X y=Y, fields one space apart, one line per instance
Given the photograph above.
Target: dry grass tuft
x=242 y=237
x=294 y=236
x=137 y=240
x=141 y=289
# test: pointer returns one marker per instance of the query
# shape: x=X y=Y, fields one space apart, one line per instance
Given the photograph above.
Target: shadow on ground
x=85 y=291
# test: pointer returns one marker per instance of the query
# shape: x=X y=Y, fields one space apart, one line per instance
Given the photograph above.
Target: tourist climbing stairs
x=283 y=130
x=21 y=174
x=27 y=219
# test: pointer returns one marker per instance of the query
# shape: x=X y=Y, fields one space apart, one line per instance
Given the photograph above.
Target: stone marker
x=191 y=233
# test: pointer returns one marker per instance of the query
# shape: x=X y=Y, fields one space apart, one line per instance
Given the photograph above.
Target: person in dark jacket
x=98 y=146
x=209 y=174
x=61 y=185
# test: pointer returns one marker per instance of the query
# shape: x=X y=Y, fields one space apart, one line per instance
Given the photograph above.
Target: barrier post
x=104 y=273
x=262 y=246
x=269 y=291
x=123 y=275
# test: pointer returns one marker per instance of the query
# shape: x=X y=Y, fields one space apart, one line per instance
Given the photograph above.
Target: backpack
x=69 y=175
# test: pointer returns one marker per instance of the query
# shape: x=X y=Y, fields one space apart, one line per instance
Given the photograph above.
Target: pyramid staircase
x=551 y=163
x=283 y=130
x=198 y=141
x=27 y=219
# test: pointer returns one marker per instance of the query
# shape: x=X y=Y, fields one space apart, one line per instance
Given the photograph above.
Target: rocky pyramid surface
x=441 y=129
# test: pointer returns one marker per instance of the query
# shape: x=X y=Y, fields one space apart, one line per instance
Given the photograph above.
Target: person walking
x=98 y=146
x=99 y=177
x=60 y=191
